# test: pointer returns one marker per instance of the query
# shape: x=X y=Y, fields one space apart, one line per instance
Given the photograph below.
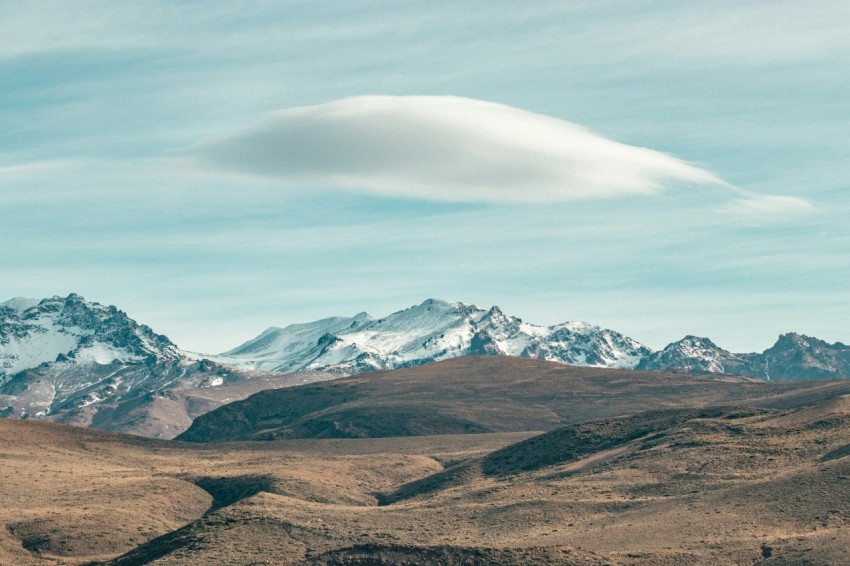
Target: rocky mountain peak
x=430 y=331
x=692 y=354
x=797 y=356
x=793 y=357
x=77 y=330
x=696 y=341
x=66 y=358
x=794 y=340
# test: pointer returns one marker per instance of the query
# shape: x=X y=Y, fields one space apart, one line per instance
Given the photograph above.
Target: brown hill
x=482 y=394
x=666 y=487
x=74 y=495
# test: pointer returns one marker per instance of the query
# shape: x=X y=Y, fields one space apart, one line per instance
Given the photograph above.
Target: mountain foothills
x=74 y=361
x=484 y=394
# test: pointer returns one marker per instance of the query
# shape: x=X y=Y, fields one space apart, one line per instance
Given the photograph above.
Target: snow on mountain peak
x=430 y=331
x=73 y=329
x=695 y=354
x=295 y=338
x=66 y=358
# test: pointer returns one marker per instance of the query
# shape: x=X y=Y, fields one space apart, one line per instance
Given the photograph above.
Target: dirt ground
x=736 y=486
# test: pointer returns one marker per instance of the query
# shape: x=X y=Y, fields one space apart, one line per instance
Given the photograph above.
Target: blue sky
x=150 y=157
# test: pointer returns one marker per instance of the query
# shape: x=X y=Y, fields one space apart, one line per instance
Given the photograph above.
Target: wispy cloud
x=445 y=148
x=765 y=209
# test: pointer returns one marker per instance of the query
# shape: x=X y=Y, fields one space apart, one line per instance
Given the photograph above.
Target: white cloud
x=445 y=148
x=762 y=209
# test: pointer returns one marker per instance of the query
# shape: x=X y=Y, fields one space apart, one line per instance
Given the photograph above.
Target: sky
x=661 y=168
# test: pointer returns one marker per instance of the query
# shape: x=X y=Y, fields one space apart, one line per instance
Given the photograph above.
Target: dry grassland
x=677 y=486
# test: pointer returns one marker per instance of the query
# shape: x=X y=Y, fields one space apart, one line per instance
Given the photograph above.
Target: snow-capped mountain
x=436 y=330
x=794 y=357
x=71 y=360
x=432 y=331
x=72 y=329
x=67 y=353
x=695 y=354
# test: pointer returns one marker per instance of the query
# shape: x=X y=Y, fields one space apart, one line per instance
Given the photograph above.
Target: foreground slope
x=675 y=486
x=479 y=394
x=101 y=494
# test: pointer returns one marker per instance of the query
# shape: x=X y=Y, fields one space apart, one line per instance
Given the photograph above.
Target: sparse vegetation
x=679 y=485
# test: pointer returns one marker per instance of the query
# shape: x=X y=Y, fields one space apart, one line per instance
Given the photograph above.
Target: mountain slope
x=676 y=486
x=432 y=331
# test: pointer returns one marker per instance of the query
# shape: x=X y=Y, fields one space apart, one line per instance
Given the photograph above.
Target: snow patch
x=19 y=304
x=104 y=354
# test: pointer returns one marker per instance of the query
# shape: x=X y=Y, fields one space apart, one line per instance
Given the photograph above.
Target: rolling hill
x=482 y=394
x=686 y=485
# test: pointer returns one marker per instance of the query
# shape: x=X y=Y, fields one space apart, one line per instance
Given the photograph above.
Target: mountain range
x=432 y=331
x=436 y=330
x=794 y=357
x=80 y=362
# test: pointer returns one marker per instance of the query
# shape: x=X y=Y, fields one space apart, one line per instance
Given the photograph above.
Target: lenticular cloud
x=446 y=148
